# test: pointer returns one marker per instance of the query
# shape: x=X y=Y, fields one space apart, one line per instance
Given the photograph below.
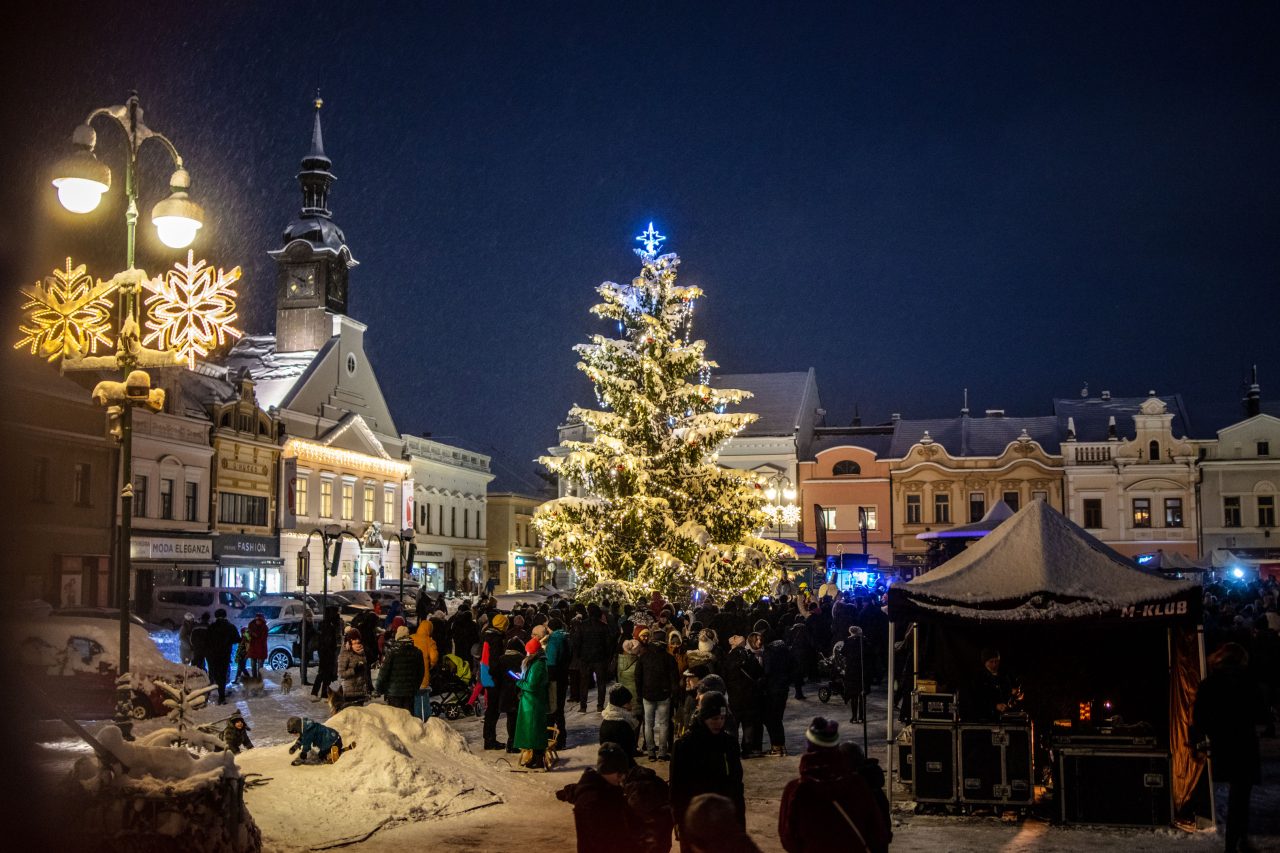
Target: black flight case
x=996 y=764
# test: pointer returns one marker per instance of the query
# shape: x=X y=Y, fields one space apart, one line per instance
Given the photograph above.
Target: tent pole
x=1208 y=765
x=888 y=721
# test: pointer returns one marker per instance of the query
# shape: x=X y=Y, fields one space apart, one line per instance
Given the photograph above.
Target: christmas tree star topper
x=652 y=241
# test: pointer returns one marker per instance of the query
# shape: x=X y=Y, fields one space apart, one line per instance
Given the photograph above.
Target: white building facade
x=449 y=514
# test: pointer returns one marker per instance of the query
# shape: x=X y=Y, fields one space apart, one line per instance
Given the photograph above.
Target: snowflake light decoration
x=191 y=309
x=69 y=314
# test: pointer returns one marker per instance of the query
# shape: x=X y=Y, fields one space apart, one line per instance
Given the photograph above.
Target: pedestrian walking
x=706 y=761
x=593 y=656
x=257 y=631
x=400 y=675
x=353 y=672
x=619 y=724
x=328 y=640
x=600 y=815
x=185 y=653
x=712 y=826
x=223 y=637
x=200 y=642
x=657 y=682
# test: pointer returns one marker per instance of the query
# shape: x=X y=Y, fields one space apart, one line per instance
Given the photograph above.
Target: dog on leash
x=252 y=684
x=286 y=683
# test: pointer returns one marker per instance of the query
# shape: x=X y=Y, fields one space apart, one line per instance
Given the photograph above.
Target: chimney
x=1084 y=392
x=857 y=418
x=1253 y=399
x=964 y=412
x=895 y=417
x=995 y=413
x=1071 y=429
x=1106 y=395
x=1111 y=429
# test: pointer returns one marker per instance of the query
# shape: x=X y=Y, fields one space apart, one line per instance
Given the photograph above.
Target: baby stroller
x=831 y=668
x=451 y=689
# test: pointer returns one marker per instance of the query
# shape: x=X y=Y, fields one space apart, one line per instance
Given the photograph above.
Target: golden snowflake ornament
x=191 y=309
x=69 y=315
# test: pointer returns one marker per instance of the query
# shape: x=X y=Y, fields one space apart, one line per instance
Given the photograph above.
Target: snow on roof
x=1039 y=552
x=966 y=436
x=875 y=439
x=776 y=398
x=1091 y=415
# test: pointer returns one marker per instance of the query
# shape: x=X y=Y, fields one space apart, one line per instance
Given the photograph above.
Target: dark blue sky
x=1014 y=198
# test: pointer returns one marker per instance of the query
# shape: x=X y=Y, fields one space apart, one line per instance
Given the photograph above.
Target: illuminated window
x=913 y=509
x=1231 y=511
x=867 y=513
x=1173 y=512
x=388 y=506
x=300 y=494
x=1266 y=511
x=1093 y=513
x=942 y=509
x=82 y=484
x=1141 y=512
x=326 y=497
x=829 y=518
x=242 y=509
x=348 y=501
x=368 y=502
x=977 y=506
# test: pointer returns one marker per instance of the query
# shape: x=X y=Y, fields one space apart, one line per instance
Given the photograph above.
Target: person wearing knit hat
x=402 y=670
x=711 y=825
x=829 y=785
x=499 y=621
x=600 y=811
x=706 y=761
x=618 y=724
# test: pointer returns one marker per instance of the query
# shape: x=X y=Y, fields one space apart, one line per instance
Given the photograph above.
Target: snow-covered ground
x=410 y=782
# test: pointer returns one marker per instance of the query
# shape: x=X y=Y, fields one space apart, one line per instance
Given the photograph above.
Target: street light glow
x=79 y=195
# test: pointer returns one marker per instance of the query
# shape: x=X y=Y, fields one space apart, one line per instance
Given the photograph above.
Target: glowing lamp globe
x=177 y=218
x=79 y=177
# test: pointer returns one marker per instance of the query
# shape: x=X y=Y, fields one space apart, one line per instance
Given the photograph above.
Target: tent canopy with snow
x=1074 y=621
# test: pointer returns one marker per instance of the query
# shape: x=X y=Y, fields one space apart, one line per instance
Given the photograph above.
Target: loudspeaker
x=1115 y=787
x=933 y=753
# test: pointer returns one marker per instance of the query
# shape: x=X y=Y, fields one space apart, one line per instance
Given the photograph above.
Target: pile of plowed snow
x=401 y=769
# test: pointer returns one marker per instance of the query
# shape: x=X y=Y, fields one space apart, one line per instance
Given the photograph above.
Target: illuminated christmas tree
x=658 y=512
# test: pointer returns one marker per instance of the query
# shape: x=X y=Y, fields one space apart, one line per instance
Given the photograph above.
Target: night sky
x=913 y=199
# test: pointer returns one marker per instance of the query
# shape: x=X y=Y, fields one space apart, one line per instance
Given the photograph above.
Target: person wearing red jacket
x=257 y=644
x=830 y=807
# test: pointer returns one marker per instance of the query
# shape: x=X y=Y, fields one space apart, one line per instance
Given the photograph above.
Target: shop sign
x=236 y=545
x=169 y=548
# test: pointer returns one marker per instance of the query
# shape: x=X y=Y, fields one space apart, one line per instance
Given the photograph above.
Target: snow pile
x=66 y=646
x=400 y=769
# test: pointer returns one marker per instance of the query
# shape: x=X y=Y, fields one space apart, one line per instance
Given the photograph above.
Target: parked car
x=357 y=596
x=284 y=643
x=272 y=607
x=73 y=662
x=109 y=613
x=314 y=602
x=170 y=603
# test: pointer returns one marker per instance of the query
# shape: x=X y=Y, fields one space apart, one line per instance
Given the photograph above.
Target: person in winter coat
x=657 y=683
x=385 y=637
x=593 y=657
x=464 y=632
x=706 y=761
x=706 y=652
x=353 y=671
x=854 y=673
x=242 y=654
x=508 y=691
x=557 y=646
x=426 y=646
x=184 y=638
x=223 y=637
x=422 y=605
x=744 y=679
x=649 y=804
x=829 y=807
x=711 y=826
x=531 y=724
x=600 y=815
x=779 y=672
x=395 y=610
x=619 y=724
x=492 y=642
x=328 y=639
x=200 y=642
x=871 y=772
x=441 y=632
x=1228 y=709
x=400 y=675
x=257 y=630
x=801 y=647
x=236 y=734
x=312 y=735
x=366 y=622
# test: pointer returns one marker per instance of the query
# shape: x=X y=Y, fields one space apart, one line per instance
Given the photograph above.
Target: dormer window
x=1153 y=451
x=846 y=468
x=1264 y=448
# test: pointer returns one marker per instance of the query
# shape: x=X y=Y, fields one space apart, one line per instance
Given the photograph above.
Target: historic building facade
x=514 y=552
x=1130 y=472
x=950 y=471
x=844 y=486
x=449 y=524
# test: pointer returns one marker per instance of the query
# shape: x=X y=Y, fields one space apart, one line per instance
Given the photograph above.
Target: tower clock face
x=302 y=283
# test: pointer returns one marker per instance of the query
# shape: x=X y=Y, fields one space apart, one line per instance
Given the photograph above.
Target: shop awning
x=801 y=549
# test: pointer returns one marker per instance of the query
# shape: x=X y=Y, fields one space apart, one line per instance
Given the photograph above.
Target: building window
x=1173 y=512
x=828 y=518
x=427 y=516
x=977 y=506
x=466 y=522
x=1040 y=496
x=348 y=501
x=1231 y=511
x=479 y=524
x=1264 y=448
x=242 y=509
x=326 y=497
x=1266 y=511
x=40 y=479
x=388 y=506
x=140 y=496
x=942 y=509
x=867 y=514
x=1011 y=498
x=1141 y=512
x=422 y=516
x=300 y=495
x=166 y=498
x=368 y=502
x=440 y=521
x=453 y=521
x=191 y=508
x=82 y=484
x=846 y=467
x=1093 y=513
x=1153 y=451
x=913 y=509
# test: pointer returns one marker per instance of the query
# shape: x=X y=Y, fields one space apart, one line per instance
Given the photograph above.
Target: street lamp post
x=81 y=180
x=784 y=510
x=406 y=555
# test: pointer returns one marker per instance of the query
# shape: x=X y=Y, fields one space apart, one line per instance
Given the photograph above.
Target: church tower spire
x=313 y=258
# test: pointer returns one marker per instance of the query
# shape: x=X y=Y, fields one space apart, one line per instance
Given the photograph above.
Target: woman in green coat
x=531 y=722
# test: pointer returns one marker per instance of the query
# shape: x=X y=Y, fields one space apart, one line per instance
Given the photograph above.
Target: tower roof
x=314 y=225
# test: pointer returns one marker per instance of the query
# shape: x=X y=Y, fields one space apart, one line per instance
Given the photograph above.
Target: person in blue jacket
x=326 y=741
x=558 y=670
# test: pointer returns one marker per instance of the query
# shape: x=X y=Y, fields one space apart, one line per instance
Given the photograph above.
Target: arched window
x=846 y=467
x=1153 y=451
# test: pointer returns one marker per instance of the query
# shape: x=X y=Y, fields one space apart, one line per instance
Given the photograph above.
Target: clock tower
x=313 y=260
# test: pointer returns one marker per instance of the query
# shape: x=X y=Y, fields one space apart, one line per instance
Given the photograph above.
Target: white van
x=170 y=603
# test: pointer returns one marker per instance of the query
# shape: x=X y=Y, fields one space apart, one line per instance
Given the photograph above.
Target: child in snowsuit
x=236 y=734
x=327 y=742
